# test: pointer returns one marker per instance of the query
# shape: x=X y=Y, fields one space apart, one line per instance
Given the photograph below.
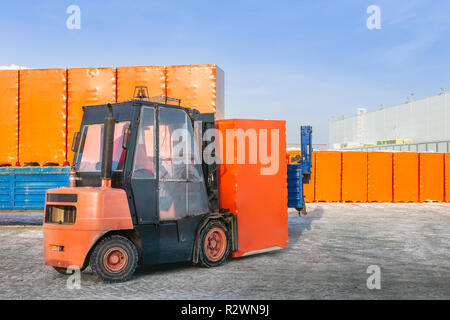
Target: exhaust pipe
x=108 y=144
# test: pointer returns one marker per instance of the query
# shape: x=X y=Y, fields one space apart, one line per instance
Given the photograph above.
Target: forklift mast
x=299 y=174
x=306 y=152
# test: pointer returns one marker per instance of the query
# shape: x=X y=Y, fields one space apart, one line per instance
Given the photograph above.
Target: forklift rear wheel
x=214 y=244
x=114 y=259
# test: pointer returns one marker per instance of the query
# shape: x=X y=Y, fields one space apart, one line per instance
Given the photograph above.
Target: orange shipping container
x=406 y=177
x=253 y=192
x=431 y=177
x=198 y=86
x=447 y=176
x=42 y=125
x=9 y=116
x=328 y=176
x=308 y=189
x=354 y=176
x=87 y=87
x=379 y=177
x=154 y=77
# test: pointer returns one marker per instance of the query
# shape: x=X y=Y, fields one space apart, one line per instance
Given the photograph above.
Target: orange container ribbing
x=198 y=86
x=379 y=177
x=406 y=177
x=447 y=176
x=153 y=77
x=42 y=112
x=87 y=87
x=9 y=116
x=431 y=177
x=354 y=176
x=256 y=193
x=328 y=176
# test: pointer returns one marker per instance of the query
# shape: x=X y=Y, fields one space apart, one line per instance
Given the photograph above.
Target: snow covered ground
x=327 y=257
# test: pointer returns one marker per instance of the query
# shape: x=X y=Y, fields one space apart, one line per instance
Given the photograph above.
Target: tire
x=114 y=259
x=301 y=211
x=214 y=245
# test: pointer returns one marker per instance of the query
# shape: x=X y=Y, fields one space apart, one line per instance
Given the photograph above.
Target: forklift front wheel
x=215 y=244
x=114 y=259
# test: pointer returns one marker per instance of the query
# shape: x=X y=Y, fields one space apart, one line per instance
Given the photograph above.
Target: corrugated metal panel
x=9 y=115
x=379 y=176
x=87 y=87
x=431 y=177
x=24 y=188
x=354 y=176
x=198 y=86
x=42 y=125
x=406 y=177
x=328 y=176
x=447 y=176
x=153 y=77
x=258 y=199
x=295 y=186
x=309 y=188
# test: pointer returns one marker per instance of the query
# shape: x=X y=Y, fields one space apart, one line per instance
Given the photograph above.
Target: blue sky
x=302 y=61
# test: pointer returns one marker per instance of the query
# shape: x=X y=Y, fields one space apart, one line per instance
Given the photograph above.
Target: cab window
x=144 y=155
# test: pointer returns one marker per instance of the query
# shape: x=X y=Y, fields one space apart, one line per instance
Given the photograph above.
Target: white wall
x=421 y=120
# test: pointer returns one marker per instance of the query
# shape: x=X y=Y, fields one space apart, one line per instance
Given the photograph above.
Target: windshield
x=89 y=157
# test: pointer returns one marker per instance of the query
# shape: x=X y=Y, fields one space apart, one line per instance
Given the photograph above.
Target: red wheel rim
x=215 y=244
x=115 y=259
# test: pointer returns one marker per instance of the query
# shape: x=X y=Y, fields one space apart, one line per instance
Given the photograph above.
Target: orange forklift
x=133 y=197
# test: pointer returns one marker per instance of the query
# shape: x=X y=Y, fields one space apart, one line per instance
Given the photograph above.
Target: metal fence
x=433 y=146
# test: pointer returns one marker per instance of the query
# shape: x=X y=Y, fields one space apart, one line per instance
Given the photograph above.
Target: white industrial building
x=416 y=125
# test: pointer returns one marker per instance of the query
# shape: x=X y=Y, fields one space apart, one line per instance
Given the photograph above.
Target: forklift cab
x=139 y=193
x=155 y=159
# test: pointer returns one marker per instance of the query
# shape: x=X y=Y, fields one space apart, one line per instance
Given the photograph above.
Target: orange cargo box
x=447 y=176
x=379 y=177
x=153 y=77
x=431 y=177
x=198 y=86
x=328 y=176
x=406 y=177
x=87 y=87
x=354 y=176
x=9 y=116
x=42 y=119
x=255 y=190
x=308 y=189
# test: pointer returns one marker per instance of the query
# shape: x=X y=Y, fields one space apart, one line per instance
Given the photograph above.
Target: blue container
x=25 y=187
x=295 y=186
